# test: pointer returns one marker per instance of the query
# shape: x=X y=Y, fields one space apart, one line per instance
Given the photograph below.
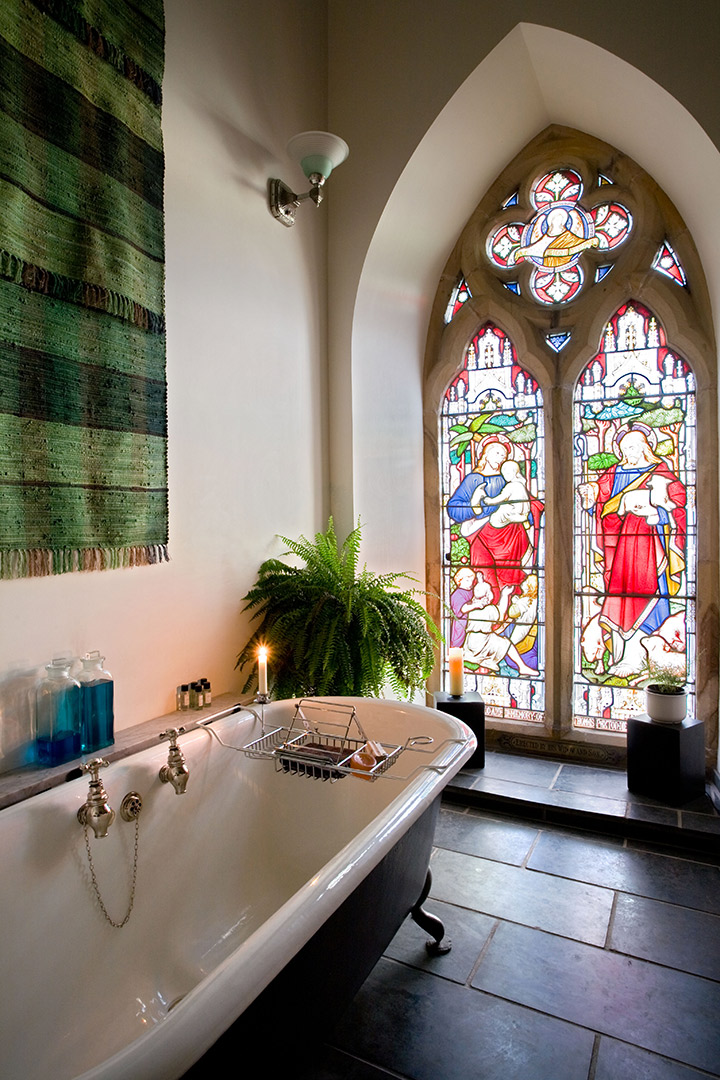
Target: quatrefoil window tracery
x=557 y=234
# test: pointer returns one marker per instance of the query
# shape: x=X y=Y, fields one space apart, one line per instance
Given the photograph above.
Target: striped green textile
x=83 y=403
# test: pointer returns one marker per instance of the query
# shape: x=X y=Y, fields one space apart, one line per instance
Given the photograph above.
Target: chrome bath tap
x=96 y=812
x=176 y=771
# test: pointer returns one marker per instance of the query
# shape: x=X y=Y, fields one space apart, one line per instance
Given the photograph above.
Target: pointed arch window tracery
x=605 y=357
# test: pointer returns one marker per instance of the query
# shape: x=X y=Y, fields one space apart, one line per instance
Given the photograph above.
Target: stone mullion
x=559 y=561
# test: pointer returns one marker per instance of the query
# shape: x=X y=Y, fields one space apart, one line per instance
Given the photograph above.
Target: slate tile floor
x=577 y=794
x=578 y=954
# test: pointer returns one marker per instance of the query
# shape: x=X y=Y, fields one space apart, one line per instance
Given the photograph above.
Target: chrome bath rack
x=326 y=741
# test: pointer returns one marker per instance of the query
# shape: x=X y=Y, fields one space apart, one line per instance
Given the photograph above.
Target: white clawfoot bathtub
x=233 y=878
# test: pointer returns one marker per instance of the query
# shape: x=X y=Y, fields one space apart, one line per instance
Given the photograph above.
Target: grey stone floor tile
x=618 y=1061
x=587 y=804
x=605 y=783
x=590 y=804
x=657 y=815
x=585 y=834
x=678 y=937
x=707 y=821
x=425 y=1028
x=467 y=930
x=327 y=1063
x=523 y=770
x=504 y=841
x=709 y=858
x=644 y=873
x=668 y=1012
x=464 y=779
x=563 y=907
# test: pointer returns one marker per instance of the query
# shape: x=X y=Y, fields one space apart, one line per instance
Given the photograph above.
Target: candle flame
x=262 y=652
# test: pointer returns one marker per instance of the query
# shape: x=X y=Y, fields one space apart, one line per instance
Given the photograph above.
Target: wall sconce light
x=318 y=153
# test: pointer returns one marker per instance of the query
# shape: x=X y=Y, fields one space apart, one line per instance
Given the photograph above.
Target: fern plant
x=331 y=629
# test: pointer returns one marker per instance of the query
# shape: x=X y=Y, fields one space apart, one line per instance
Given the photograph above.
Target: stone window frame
x=685 y=315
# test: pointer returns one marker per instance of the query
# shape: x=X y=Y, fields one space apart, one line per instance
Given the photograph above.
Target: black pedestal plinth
x=666 y=761
x=470 y=708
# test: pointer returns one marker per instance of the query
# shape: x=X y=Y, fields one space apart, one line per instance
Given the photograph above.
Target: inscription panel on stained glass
x=493 y=501
x=635 y=521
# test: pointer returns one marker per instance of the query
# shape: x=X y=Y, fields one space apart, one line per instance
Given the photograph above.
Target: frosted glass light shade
x=318 y=151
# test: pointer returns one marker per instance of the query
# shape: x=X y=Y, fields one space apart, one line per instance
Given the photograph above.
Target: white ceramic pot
x=666 y=708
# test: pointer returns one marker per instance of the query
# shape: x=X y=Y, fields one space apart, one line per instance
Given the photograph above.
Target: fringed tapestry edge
x=44 y=562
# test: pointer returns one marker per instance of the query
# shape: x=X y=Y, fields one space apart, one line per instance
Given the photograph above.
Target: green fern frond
x=334 y=629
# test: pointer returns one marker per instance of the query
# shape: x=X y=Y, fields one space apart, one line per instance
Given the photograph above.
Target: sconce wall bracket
x=283 y=202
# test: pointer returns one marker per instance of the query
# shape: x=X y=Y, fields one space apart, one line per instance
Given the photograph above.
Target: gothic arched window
x=571 y=416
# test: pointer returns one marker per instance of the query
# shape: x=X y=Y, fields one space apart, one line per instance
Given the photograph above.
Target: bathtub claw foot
x=439 y=948
x=439 y=945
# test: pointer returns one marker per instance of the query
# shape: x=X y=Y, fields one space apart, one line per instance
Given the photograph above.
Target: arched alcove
x=480 y=129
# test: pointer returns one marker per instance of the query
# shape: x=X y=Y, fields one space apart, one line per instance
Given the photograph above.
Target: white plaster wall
x=435 y=195
x=246 y=360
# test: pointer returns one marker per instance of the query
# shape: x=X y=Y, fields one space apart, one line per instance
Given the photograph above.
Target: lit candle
x=262 y=670
x=455 y=668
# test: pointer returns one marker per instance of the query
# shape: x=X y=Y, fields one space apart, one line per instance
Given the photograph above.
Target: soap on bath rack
x=318 y=744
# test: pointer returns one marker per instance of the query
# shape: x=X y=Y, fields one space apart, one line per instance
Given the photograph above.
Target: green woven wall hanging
x=83 y=421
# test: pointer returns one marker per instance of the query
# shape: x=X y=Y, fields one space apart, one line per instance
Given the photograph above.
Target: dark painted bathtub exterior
x=314 y=989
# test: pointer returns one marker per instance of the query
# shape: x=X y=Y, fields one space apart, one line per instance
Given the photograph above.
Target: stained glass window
x=635 y=525
x=557 y=342
x=458 y=297
x=666 y=262
x=556 y=244
x=493 y=497
x=612 y=225
x=558 y=232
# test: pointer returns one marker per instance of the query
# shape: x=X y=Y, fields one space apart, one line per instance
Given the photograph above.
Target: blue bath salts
x=62 y=747
x=96 y=715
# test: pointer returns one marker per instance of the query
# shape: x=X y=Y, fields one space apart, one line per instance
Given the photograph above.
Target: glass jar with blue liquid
x=96 y=703
x=58 y=715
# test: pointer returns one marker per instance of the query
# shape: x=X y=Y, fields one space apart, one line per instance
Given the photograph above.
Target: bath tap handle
x=172 y=734
x=96 y=812
x=94 y=766
x=176 y=771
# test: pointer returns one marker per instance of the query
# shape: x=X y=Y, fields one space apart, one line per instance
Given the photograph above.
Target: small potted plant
x=665 y=695
x=332 y=628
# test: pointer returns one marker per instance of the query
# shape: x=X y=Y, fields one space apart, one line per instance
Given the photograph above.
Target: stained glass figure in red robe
x=640 y=527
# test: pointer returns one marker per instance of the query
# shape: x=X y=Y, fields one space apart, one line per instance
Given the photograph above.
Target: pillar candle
x=262 y=670
x=455 y=668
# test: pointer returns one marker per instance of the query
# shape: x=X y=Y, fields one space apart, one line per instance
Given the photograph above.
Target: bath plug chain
x=96 y=887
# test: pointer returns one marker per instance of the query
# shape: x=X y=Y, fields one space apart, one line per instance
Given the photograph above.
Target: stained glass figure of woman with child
x=493 y=531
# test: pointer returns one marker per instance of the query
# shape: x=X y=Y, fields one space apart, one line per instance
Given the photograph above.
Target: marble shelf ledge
x=30 y=780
